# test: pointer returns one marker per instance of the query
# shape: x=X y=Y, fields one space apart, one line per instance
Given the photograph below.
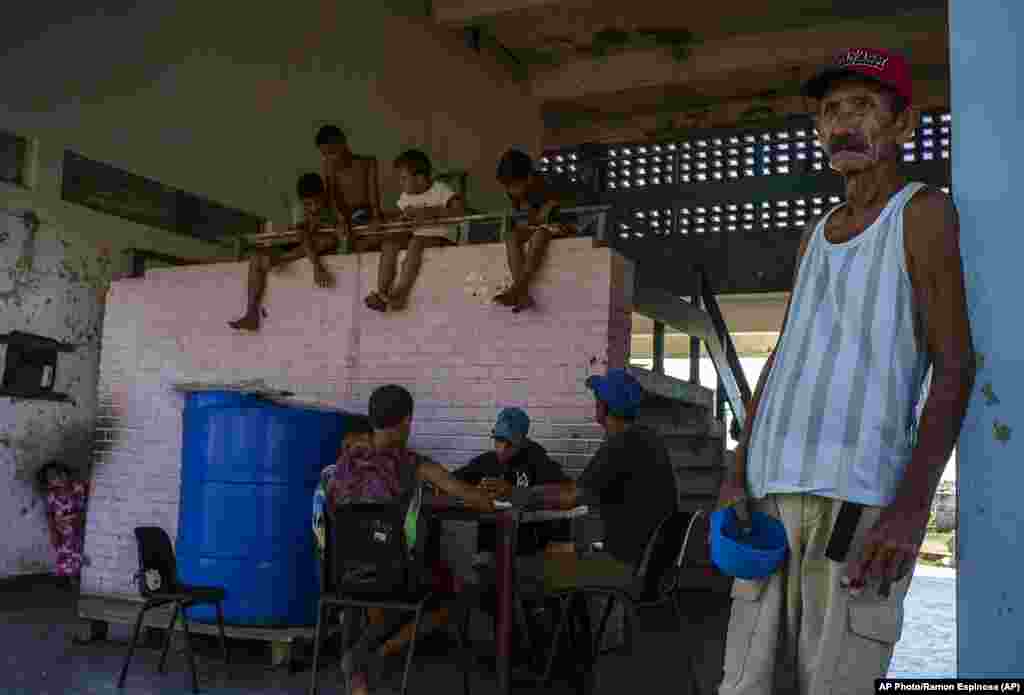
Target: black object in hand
x=523 y=497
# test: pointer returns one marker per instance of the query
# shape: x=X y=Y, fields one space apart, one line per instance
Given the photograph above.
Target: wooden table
x=507 y=522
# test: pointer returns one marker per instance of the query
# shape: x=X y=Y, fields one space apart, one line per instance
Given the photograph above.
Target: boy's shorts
x=557 y=230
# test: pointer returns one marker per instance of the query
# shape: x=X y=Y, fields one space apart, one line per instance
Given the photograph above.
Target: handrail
x=706 y=324
x=731 y=372
x=138 y=257
x=400 y=226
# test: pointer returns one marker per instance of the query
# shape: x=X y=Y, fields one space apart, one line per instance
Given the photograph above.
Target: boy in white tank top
x=422 y=200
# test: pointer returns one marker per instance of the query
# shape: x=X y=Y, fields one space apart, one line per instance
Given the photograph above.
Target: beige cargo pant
x=799 y=631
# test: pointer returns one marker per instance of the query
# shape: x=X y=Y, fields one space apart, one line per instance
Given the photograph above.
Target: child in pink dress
x=65 y=511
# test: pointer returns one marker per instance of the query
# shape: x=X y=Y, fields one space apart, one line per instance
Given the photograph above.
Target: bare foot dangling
x=523 y=302
x=506 y=298
x=375 y=300
x=249 y=322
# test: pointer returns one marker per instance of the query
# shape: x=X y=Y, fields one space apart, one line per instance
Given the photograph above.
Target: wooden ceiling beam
x=921 y=35
x=572 y=127
x=458 y=13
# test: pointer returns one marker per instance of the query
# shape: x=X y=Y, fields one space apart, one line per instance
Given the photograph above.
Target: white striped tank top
x=838 y=414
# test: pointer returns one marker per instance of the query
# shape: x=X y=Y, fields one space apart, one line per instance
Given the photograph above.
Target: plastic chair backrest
x=664 y=554
x=369 y=553
x=158 y=570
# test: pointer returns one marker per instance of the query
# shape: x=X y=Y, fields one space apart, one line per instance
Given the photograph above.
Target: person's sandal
x=375 y=301
x=246 y=323
x=522 y=303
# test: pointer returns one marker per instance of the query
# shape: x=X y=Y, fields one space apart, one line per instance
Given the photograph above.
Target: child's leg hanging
x=259 y=265
x=524 y=267
x=515 y=251
x=389 y=248
x=410 y=269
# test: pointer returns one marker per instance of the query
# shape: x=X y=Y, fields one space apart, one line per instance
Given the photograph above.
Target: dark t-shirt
x=537 y=195
x=632 y=477
x=531 y=466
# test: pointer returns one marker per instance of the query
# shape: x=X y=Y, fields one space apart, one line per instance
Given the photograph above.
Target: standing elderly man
x=832 y=446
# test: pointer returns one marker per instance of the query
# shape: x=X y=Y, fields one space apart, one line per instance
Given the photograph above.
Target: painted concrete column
x=988 y=151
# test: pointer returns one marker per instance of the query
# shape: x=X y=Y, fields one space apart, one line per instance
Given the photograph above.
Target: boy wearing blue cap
x=515 y=462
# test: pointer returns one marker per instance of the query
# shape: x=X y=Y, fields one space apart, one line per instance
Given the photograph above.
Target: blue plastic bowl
x=754 y=556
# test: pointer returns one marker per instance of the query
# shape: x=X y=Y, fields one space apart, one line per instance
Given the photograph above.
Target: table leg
x=503 y=561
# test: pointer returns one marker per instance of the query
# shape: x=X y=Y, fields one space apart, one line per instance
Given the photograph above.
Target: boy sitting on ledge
x=422 y=199
x=353 y=185
x=528 y=192
x=319 y=234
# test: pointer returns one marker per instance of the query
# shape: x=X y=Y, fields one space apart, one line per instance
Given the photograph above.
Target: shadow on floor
x=38 y=620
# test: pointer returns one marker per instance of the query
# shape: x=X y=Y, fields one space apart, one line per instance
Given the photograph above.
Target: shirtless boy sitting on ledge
x=348 y=195
x=353 y=184
x=319 y=234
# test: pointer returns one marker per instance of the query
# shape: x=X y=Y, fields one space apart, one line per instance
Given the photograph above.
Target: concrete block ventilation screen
x=753 y=179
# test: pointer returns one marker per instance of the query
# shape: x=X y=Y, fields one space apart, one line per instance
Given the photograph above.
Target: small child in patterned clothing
x=358 y=436
x=66 y=499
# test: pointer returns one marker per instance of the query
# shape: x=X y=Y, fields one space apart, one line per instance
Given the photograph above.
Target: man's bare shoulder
x=930 y=205
x=930 y=224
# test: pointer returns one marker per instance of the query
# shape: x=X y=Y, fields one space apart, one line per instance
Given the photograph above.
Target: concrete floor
x=37 y=620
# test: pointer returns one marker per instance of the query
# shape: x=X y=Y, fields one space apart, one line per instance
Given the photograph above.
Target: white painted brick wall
x=462 y=357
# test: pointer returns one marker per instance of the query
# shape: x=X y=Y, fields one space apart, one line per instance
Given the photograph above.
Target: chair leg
x=677 y=605
x=131 y=647
x=584 y=646
x=562 y=621
x=188 y=650
x=348 y=616
x=462 y=634
x=412 y=649
x=629 y=631
x=317 y=642
x=220 y=631
x=524 y=627
x=162 y=667
x=603 y=625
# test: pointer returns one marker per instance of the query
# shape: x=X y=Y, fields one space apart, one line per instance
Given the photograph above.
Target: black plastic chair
x=368 y=564
x=655 y=582
x=158 y=583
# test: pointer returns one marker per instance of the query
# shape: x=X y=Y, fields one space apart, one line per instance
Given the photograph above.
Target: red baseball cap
x=888 y=69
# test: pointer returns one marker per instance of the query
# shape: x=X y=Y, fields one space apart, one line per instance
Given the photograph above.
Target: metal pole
x=695 y=349
x=659 y=348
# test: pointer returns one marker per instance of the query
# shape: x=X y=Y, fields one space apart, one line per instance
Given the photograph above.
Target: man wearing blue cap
x=630 y=478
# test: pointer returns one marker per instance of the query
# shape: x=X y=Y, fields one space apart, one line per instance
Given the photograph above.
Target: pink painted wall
x=462 y=358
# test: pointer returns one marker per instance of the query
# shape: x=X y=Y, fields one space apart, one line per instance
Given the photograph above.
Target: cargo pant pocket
x=744 y=618
x=872 y=630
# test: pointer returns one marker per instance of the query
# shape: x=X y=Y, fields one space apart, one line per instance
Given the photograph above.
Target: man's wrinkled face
x=857 y=126
x=336 y=153
x=505 y=450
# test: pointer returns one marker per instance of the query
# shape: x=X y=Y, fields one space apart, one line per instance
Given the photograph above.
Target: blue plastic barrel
x=249 y=469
